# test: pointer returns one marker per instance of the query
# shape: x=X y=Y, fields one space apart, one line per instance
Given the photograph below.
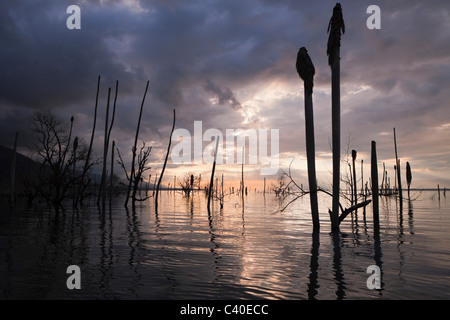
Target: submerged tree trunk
x=101 y=193
x=374 y=176
x=354 y=180
x=399 y=179
x=111 y=175
x=165 y=161
x=311 y=158
x=408 y=178
x=306 y=71
x=333 y=50
x=132 y=173
x=211 y=182
x=336 y=136
x=88 y=157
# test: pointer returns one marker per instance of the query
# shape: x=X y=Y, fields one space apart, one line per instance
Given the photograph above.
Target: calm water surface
x=240 y=252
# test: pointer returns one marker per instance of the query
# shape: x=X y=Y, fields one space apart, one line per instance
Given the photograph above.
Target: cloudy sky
x=231 y=65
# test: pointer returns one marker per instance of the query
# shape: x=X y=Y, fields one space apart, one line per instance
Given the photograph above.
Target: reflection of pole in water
x=400 y=240
x=377 y=255
x=337 y=265
x=215 y=246
x=410 y=217
x=314 y=267
x=134 y=243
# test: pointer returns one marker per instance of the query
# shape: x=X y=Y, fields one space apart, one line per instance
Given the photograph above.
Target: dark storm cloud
x=201 y=55
x=224 y=96
x=49 y=66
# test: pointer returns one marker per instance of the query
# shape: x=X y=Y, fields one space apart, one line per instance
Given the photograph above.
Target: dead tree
x=88 y=164
x=165 y=161
x=399 y=179
x=132 y=176
x=374 y=176
x=306 y=71
x=211 y=182
x=137 y=173
x=102 y=192
x=408 y=177
x=56 y=152
x=335 y=26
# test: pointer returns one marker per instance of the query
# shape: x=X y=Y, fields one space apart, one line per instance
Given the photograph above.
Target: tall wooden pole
x=306 y=71
x=399 y=179
x=165 y=162
x=354 y=180
x=132 y=173
x=101 y=194
x=374 y=176
x=408 y=177
x=88 y=156
x=111 y=182
x=362 y=176
x=333 y=50
x=211 y=182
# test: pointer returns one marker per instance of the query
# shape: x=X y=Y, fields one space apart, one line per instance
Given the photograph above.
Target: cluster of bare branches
x=188 y=183
x=288 y=188
x=136 y=176
x=58 y=154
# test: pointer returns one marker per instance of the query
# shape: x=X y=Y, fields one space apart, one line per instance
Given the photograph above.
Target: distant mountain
x=24 y=166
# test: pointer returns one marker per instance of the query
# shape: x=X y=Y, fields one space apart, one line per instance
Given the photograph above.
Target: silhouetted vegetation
x=139 y=167
x=134 y=176
x=165 y=161
x=56 y=153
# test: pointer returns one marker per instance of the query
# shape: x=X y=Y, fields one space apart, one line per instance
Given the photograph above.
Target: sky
x=231 y=65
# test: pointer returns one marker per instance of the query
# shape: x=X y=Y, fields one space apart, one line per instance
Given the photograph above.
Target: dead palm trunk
x=165 y=162
x=362 y=176
x=408 y=177
x=88 y=156
x=399 y=180
x=211 y=182
x=306 y=71
x=333 y=50
x=132 y=173
x=101 y=192
x=354 y=180
x=111 y=175
x=374 y=176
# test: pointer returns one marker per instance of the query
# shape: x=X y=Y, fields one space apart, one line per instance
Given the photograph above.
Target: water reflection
x=378 y=255
x=134 y=242
x=183 y=251
x=105 y=250
x=313 y=284
x=337 y=265
x=410 y=217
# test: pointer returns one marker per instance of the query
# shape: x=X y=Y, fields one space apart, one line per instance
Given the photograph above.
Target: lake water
x=240 y=252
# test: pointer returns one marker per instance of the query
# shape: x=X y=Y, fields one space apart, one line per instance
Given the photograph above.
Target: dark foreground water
x=240 y=252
